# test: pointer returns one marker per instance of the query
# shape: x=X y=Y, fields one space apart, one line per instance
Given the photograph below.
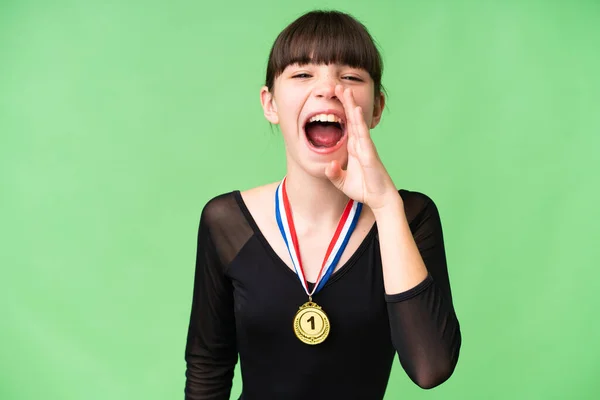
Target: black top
x=245 y=298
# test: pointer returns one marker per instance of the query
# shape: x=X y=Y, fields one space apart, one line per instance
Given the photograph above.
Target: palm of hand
x=365 y=179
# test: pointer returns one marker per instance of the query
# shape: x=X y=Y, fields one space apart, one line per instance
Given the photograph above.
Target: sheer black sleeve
x=211 y=352
x=424 y=327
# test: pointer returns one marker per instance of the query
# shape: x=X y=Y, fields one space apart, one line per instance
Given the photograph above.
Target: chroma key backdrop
x=120 y=119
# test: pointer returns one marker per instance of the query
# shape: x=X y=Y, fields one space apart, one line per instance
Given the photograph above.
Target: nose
x=325 y=87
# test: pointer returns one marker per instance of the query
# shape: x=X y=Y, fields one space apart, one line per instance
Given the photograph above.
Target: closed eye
x=350 y=78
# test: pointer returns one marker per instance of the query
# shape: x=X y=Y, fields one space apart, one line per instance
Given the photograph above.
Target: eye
x=352 y=78
x=301 y=75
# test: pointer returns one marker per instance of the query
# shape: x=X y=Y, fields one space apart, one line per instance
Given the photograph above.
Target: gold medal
x=311 y=324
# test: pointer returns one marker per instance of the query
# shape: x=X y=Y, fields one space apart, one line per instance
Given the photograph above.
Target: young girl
x=318 y=280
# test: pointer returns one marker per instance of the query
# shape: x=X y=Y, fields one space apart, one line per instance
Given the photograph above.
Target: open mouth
x=324 y=131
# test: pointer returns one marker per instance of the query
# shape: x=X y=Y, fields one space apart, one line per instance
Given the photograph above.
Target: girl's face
x=302 y=92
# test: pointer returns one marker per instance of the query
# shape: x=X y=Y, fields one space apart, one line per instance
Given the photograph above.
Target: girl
x=318 y=280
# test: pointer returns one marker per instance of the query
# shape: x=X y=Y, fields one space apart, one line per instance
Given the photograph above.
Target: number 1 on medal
x=312 y=322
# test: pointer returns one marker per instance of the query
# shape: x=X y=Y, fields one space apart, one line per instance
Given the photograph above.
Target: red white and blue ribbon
x=347 y=223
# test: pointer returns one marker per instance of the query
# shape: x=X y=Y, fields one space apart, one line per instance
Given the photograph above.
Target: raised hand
x=365 y=179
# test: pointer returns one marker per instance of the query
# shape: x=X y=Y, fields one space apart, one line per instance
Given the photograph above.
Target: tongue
x=323 y=135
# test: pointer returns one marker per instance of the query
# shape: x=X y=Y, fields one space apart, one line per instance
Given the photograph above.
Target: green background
x=119 y=120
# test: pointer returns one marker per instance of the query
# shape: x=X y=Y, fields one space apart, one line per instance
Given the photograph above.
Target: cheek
x=288 y=121
x=288 y=112
x=364 y=97
x=367 y=110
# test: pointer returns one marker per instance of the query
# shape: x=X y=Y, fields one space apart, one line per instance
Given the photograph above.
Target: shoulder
x=415 y=198
x=219 y=208
x=417 y=204
x=259 y=193
x=259 y=200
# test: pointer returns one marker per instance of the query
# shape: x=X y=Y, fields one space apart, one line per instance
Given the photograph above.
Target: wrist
x=393 y=205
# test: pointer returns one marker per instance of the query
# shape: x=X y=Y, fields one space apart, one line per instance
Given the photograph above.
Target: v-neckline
x=269 y=248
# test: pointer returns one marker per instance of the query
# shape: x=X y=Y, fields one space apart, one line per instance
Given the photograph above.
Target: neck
x=314 y=201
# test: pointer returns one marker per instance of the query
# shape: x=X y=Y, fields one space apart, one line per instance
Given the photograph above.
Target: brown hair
x=325 y=37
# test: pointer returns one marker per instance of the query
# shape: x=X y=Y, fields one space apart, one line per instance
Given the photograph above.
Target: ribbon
x=285 y=221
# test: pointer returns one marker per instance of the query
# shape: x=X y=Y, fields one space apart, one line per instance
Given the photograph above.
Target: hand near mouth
x=365 y=179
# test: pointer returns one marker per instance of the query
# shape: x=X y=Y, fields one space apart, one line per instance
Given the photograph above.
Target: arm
x=210 y=351
x=424 y=328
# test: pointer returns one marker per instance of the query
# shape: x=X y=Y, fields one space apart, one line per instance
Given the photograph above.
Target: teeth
x=325 y=118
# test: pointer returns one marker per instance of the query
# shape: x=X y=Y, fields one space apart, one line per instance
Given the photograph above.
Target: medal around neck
x=311 y=324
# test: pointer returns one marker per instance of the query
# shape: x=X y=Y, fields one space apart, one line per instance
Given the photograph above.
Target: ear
x=378 y=110
x=269 y=106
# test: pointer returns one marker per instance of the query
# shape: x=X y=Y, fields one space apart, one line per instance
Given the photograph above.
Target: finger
x=361 y=131
x=340 y=92
x=335 y=174
x=364 y=142
x=351 y=105
x=349 y=97
x=352 y=150
x=357 y=117
x=361 y=128
x=353 y=145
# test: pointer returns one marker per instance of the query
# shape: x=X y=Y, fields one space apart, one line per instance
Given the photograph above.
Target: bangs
x=325 y=37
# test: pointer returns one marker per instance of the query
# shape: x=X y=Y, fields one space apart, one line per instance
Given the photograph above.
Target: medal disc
x=311 y=324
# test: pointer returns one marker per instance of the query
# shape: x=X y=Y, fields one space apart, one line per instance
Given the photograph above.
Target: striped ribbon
x=285 y=221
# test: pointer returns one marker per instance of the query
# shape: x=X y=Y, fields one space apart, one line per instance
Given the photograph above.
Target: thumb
x=336 y=174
